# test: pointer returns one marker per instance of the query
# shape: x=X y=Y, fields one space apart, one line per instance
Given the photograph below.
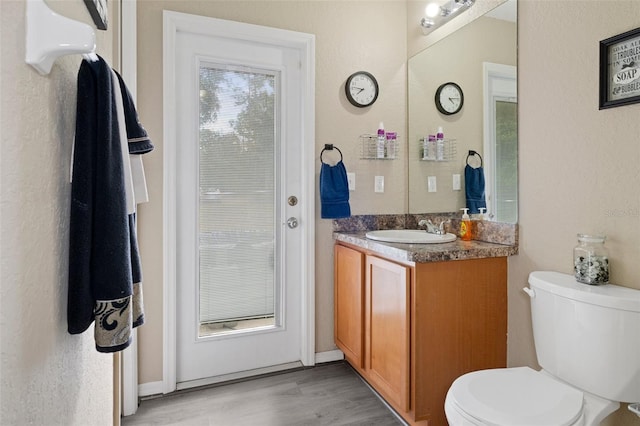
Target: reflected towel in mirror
x=474 y=188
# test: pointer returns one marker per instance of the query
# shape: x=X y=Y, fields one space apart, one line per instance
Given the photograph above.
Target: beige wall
x=578 y=165
x=346 y=41
x=48 y=376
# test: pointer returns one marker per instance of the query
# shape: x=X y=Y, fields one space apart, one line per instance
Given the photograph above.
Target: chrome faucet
x=432 y=228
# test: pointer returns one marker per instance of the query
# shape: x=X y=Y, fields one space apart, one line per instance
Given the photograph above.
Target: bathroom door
x=241 y=230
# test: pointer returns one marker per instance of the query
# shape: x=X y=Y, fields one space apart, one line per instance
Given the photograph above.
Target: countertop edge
x=422 y=253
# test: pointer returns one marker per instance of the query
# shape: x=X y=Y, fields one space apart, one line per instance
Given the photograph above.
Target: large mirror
x=481 y=58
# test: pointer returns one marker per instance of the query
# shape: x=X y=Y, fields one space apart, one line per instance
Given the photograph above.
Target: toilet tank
x=588 y=336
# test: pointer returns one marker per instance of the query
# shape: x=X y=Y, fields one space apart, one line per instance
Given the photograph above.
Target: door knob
x=292 y=222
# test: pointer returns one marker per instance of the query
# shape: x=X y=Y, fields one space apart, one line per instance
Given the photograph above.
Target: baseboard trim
x=150 y=388
x=329 y=356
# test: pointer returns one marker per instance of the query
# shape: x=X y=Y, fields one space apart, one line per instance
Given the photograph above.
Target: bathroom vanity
x=411 y=318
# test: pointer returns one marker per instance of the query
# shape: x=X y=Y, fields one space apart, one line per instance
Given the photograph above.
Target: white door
x=242 y=204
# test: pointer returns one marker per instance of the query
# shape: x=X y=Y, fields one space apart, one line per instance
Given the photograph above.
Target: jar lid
x=591 y=238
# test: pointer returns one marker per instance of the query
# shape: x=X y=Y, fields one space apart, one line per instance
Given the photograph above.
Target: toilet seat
x=515 y=396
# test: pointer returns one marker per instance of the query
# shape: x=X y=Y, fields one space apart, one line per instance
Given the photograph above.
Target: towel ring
x=329 y=147
x=472 y=152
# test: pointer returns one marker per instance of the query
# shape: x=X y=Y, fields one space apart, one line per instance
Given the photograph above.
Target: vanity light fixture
x=432 y=10
x=436 y=14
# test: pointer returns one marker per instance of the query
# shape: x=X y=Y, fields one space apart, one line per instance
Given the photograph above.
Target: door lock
x=293 y=200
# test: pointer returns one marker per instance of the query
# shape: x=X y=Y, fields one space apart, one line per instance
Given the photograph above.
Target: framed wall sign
x=620 y=70
x=98 y=11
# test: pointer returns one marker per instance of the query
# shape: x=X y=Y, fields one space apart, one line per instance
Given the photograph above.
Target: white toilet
x=587 y=341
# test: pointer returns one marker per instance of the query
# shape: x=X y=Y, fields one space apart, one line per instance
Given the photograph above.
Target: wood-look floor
x=328 y=394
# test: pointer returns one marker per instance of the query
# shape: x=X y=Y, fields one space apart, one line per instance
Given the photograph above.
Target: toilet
x=587 y=341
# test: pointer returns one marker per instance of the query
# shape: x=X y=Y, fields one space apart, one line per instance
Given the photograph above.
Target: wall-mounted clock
x=449 y=98
x=361 y=89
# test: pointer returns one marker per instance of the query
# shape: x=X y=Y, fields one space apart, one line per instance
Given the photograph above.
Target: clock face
x=361 y=89
x=449 y=98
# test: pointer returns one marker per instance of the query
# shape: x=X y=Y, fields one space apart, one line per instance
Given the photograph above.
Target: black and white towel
x=105 y=275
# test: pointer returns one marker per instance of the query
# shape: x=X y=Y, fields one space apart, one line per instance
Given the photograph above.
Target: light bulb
x=432 y=10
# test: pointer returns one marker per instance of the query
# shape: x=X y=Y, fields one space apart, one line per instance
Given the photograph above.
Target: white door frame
x=129 y=71
x=498 y=80
x=172 y=23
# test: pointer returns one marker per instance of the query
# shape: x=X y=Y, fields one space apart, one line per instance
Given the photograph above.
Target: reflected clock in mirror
x=449 y=98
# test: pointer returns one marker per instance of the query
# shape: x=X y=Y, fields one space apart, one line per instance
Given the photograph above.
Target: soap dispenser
x=465 y=226
x=477 y=224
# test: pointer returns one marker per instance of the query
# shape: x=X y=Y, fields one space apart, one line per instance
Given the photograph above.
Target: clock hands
x=449 y=98
x=361 y=89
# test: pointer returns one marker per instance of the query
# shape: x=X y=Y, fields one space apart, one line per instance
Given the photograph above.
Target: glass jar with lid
x=591 y=260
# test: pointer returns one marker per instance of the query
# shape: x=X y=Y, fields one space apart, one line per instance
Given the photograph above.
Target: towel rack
x=472 y=152
x=50 y=35
x=329 y=147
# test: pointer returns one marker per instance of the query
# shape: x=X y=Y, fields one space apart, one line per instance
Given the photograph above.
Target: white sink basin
x=409 y=236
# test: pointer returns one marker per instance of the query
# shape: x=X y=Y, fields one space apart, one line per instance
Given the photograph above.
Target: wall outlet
x=431 y=184
x=456 y=182
x=379 y=184
x=351 y=180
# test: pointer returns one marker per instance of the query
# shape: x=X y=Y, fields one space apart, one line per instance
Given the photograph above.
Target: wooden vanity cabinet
x=411 y=329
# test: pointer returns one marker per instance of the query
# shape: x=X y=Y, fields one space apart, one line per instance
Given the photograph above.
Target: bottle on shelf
x=391 y=144
x=425 y=148
x=440 y=144
x=431 y=147
x=380 y=142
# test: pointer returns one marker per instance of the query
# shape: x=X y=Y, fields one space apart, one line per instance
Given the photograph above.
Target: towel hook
x=50 y=36
x=472 y=152
x=329 y=147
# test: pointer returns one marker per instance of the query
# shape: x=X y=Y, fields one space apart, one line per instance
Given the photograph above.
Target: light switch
x=351 y=180
x=379 y=184
x=431 y=184
x=456 y=182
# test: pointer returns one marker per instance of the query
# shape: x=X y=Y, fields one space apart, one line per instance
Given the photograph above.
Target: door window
x=237 y=146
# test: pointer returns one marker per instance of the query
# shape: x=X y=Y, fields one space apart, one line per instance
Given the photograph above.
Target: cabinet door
x=349 y=303
x=387 y=324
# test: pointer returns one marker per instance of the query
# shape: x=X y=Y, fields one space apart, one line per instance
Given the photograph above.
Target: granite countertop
x=421 y=253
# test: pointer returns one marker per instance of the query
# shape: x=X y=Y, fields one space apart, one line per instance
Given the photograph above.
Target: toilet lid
x=516 y=396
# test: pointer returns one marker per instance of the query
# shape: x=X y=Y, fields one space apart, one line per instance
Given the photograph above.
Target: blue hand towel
x=474 y=188
x=334 y=191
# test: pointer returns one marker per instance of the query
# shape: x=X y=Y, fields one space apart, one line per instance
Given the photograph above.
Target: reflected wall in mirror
x=481 y=58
